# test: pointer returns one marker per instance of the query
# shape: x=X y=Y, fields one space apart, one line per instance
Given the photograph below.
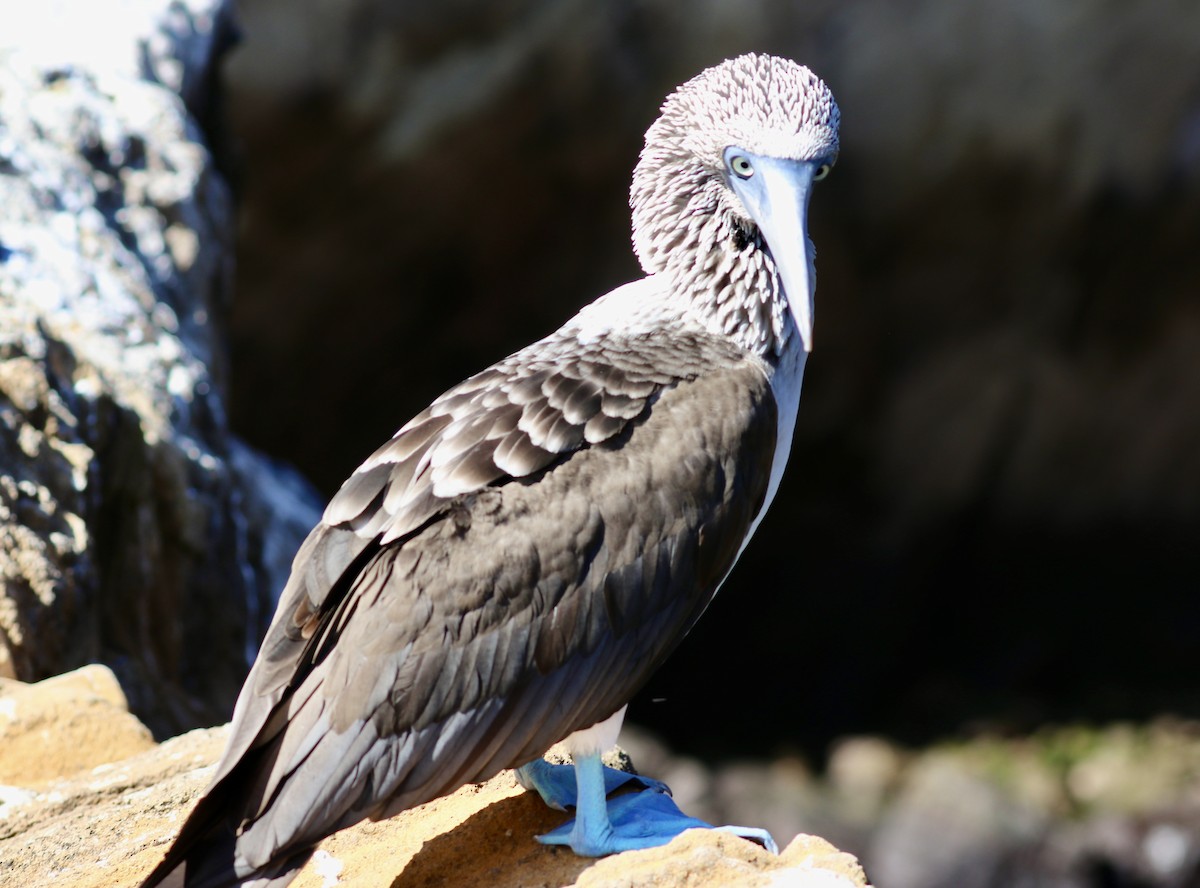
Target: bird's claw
x=640 y=820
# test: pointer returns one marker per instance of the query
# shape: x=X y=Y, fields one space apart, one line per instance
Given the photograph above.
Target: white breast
x=785 y=386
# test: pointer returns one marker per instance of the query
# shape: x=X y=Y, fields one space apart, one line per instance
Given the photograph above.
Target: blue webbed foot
x=629 y=822
x=557 y=786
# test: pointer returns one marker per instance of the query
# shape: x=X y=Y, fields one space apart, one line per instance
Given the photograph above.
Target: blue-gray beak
x=775 y=192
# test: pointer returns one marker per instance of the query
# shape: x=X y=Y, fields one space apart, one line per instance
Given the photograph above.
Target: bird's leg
x=628 y=822
x=556 y=784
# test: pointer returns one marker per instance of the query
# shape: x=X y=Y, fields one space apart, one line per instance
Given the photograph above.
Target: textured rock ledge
x=87 y=799
x=135 y=529
x=100 y=823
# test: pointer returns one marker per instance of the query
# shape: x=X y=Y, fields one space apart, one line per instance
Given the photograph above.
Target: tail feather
x=209 y=862
x=204 y=854
x=198 y=857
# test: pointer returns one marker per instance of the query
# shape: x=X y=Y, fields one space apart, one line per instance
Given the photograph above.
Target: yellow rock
x=65 y=724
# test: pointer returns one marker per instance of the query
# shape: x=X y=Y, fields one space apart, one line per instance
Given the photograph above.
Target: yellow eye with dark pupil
x=741 y=166
x=822 y=172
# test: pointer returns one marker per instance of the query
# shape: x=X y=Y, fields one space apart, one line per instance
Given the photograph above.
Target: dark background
x=990 y=516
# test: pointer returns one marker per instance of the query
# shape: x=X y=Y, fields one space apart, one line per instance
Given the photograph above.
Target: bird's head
x=720 y=193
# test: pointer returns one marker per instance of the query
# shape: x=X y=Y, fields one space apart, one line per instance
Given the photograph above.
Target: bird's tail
x=204 y=854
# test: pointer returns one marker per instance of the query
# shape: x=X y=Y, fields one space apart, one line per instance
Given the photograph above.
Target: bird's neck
x=736 y=293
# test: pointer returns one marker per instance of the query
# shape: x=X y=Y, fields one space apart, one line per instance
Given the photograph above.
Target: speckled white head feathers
x=695 y=218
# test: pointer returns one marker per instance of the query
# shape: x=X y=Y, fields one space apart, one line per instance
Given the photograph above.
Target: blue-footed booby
x=510 y=568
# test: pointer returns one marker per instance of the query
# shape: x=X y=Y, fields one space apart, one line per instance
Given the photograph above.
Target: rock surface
x=64 y=725
x=89 y=824
x=1067 y=807
x=125 y=503
x=86 y=799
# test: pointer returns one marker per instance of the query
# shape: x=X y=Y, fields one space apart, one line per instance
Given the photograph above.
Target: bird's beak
x=776 y=196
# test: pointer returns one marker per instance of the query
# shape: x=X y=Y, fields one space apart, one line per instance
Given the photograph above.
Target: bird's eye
x=822 y=172
x=741 y=166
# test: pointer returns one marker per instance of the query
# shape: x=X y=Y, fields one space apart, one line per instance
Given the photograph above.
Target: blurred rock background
x=135 y=529
x=992 y=508
x=989 y=525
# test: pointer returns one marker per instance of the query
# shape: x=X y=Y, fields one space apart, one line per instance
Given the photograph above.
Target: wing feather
x=447 y=620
